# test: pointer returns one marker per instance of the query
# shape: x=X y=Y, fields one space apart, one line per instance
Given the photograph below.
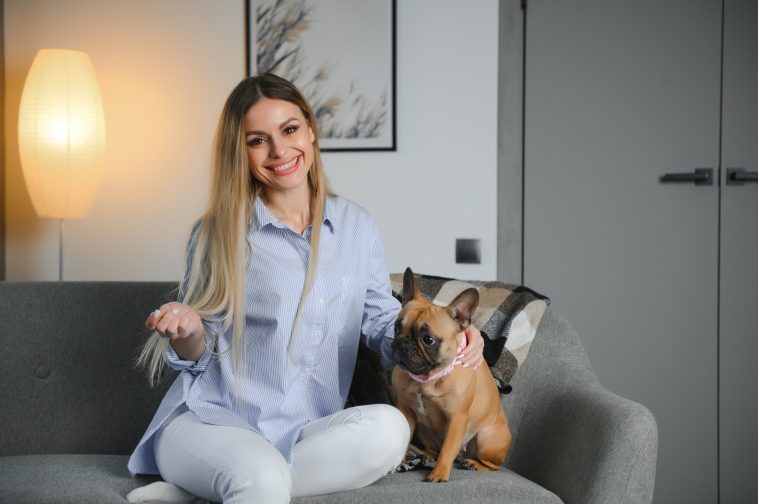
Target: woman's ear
x=310 y=130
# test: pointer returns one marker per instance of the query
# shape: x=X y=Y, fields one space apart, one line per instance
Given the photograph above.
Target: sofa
x=73 y=406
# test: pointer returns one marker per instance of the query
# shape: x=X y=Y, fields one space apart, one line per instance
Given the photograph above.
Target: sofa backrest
x=67 y=380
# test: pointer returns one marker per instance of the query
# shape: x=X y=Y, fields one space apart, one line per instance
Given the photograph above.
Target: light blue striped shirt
x=281 y=391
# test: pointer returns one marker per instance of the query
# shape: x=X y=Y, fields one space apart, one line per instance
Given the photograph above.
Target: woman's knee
x=263 y=484
x=392 y=433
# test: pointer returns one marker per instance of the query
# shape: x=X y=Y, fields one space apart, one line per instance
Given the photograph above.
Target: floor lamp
x=61 y=136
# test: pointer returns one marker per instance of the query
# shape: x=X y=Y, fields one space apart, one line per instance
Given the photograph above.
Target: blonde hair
x=215 y=281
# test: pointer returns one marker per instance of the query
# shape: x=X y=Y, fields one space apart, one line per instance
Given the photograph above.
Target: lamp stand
x=60 y=250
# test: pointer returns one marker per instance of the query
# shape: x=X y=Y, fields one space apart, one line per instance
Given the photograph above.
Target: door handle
x=701 y=176
x=738 y=176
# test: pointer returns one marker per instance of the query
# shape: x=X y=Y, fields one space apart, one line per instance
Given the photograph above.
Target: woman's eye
x=290 y=129
x=429 y=341
x=255 y=141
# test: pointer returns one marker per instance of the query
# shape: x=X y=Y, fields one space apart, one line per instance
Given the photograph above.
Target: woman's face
x=279 y=144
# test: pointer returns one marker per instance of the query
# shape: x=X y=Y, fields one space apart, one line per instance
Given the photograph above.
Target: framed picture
x=341 y=55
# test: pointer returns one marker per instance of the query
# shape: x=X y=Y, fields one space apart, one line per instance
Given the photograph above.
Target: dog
x=454 y=412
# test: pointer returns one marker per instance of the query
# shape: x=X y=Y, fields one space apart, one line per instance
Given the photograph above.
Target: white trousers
x=347 y=450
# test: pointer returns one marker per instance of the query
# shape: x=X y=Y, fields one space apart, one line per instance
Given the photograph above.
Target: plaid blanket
x=507 y=315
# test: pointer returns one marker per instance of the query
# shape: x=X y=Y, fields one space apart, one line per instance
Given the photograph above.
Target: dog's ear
x=410 y=291
x=464 y=305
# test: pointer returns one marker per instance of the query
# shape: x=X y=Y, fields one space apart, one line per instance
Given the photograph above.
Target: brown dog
x=450 y=408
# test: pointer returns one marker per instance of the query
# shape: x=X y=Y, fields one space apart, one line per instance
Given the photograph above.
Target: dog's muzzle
x=409 y=357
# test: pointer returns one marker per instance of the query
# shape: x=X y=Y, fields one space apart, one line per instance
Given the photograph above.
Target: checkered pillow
x=507 y=315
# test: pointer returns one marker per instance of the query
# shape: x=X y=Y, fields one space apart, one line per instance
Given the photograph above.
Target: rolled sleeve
x=380 y=308
x=195 y=367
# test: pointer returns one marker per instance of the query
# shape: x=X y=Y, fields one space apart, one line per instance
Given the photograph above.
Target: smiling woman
x=283 y=280
x=280 y=151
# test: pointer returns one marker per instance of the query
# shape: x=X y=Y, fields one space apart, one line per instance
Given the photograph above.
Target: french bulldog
x=454 y=412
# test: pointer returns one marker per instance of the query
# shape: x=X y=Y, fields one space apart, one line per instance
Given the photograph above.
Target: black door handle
x=701 y=176
x=738 y=176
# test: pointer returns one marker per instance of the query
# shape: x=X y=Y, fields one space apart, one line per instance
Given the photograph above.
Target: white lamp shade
x=61 y=133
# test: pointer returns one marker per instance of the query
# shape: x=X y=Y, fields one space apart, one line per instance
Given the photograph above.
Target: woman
x=266 y=329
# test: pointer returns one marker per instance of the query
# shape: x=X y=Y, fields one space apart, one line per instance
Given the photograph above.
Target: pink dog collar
x=444 y=372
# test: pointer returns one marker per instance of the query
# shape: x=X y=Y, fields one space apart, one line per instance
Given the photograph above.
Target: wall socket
x=468 y=251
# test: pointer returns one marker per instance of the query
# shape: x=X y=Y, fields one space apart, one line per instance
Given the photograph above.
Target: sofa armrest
x=588 y=445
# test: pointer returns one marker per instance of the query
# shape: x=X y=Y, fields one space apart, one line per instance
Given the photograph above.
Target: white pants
x=349 y=449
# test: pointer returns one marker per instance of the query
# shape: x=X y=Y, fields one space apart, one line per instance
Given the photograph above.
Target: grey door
x=739 y=256
x=618 y=93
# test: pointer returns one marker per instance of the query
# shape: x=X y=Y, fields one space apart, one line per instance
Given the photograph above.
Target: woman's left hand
x=472 y=355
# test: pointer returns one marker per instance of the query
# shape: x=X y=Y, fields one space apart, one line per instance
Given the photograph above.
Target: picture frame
x=341 y=55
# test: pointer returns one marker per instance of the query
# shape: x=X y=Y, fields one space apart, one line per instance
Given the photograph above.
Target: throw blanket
x=507 y=315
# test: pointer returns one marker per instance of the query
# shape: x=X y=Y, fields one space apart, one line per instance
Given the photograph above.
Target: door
x=617 y=94
x=738 y=333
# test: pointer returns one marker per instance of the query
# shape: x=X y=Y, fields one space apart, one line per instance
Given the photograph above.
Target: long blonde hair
x=214 y=284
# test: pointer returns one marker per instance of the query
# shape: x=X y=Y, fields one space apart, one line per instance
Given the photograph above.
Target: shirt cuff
x=195 y=367
x=385 y=355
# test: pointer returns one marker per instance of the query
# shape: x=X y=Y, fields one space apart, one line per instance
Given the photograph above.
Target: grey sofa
x=72 y=408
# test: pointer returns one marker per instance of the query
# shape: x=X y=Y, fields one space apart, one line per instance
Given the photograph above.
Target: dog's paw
x=467 y=464
x=438 y=476
x=473 y=465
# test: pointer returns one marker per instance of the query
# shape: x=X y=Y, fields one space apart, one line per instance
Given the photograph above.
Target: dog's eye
x=428 y=340
x=398 y=327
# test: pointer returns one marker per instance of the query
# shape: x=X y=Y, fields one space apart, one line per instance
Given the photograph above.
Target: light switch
x=468 y=251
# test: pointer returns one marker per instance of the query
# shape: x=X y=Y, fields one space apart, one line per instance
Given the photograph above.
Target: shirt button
x=321 y=301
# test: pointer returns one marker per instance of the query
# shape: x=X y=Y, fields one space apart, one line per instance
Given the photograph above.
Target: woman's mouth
x=286 y=168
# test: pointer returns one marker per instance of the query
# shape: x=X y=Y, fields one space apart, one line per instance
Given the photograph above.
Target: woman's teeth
x=287 y=166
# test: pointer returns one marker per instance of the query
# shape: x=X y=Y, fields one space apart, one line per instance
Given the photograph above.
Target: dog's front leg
x=456 y=430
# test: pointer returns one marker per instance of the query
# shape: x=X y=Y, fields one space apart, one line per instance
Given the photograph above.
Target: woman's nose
x=276 y=149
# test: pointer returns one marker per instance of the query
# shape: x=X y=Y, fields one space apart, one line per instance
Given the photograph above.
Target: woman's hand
x=183 y=326
x=472 y=354
x=175 y=321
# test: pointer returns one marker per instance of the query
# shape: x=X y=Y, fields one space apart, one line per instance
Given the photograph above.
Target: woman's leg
x=221 y=464
x=350 y=449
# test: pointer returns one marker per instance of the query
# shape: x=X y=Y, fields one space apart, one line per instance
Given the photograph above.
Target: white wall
x=165 y=69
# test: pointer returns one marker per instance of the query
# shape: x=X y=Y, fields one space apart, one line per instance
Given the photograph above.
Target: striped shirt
x=283 y=388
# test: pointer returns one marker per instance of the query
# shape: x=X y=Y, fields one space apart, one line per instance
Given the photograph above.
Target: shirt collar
x=262 y=216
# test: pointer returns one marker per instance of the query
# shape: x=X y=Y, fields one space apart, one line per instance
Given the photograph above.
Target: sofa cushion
x=502 y=487
x=66 y=479
x=96 y=479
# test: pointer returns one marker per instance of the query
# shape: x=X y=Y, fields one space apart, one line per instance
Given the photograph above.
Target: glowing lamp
x=61 y=136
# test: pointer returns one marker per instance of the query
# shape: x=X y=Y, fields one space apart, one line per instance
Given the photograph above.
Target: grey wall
x=151 y=83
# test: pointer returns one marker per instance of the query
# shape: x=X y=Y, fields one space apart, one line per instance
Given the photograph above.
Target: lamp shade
x=61 y=133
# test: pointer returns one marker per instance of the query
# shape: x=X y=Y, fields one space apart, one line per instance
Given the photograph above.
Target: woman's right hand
x=175 y=321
